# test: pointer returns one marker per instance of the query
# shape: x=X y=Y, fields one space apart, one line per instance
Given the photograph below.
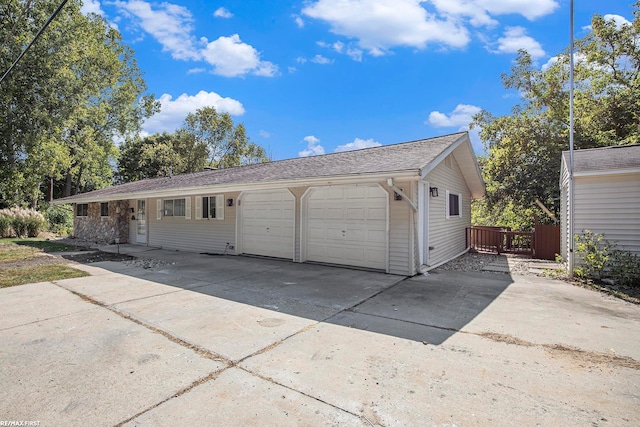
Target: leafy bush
x=23 y=222
x=60 y=219
x=602 y=259
x=5 y=224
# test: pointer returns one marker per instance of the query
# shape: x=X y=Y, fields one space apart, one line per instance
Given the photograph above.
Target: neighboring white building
x=393 y=208
x=606 y=195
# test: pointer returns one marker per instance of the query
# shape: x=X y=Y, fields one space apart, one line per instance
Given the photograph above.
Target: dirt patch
x=581 y=357
x=507 y=339
x=83 y=258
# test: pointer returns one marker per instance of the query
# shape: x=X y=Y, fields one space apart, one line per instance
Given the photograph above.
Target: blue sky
x=318 y=76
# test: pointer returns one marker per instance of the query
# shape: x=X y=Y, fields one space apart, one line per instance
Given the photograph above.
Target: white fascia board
x=478 y=191
x=411 y=175
x=435 y=162
x=607 y=172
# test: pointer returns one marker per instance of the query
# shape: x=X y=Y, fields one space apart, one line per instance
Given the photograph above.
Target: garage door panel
x=377 y=213
x=355 y=213
x=267 y=223
x=378 y=236
x=347 y=225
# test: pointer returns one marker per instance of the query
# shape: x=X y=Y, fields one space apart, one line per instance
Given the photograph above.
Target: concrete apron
x=274 y=343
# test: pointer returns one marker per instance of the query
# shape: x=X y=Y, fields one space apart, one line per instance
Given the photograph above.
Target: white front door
x=267 y=223
x=347 y=225
x=141 y=222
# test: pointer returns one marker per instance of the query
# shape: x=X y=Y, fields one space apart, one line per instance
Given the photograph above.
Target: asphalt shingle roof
x=406 y=156
x=606 y=158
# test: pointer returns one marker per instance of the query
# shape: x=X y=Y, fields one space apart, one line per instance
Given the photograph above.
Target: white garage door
x=267 y=223
x=347 y=225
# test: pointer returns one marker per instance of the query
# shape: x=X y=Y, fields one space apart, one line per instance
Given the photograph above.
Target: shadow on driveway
x=427 y=308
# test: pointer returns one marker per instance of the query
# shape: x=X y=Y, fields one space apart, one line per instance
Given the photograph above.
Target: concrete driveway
x=205 y=340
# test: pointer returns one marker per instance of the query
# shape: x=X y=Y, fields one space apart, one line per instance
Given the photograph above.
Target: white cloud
x=516 y=38
x=170 y=24
x=379 y=25
x=301 y=59
x=479 y=11
x=222 y=12
x=357 y=144
x=173 y=111
x=355 y=54
x=319 y=59
x=619 y=20
x=264 y=134
x=313 y=147
x=292 y=70
x=231 y=57
x=196 y=70
x=342 y=48
x=298 y=20
x=461 y=116
x=91 y=6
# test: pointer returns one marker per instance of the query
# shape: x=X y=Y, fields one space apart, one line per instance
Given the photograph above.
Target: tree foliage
x=207 y=139
x=75 y=90
x=227 y=145
x=524 y=148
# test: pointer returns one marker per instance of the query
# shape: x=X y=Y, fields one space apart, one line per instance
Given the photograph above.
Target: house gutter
x=402 y=194
x=364 y=178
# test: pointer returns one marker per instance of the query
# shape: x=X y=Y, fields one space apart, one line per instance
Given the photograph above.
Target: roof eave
x=222 y=188
x=471 y=173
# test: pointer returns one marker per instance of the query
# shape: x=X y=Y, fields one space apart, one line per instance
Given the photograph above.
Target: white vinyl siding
x=609 y=204
x=193 y=236
x=447 y=237
x=401 y=232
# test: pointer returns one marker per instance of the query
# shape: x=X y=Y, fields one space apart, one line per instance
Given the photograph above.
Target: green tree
x=74 y=91
x=159 y=155
x=524 y=148
x=227 y=145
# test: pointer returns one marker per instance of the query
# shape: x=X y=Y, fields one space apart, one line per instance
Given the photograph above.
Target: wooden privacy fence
x=542 y=243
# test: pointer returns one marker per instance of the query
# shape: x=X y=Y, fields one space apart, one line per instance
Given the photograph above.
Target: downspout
x=414 y=214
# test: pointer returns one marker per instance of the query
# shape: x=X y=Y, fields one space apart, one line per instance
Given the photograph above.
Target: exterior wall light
x=433 y=191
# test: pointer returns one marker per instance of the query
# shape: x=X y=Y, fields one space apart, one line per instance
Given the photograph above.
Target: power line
x=44 y=27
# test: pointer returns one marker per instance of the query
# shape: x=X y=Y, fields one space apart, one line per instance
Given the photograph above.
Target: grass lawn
x=39 y=243
x=14 y=249
x=40 y=273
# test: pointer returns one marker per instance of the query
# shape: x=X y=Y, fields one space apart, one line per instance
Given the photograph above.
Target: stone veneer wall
x=99 y=229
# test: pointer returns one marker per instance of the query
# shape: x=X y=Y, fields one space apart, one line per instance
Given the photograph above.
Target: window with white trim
x=210 y=207
x=454 y=205
x=173 y=207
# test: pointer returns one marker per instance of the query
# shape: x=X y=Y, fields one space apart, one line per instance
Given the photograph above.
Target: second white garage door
x=347 y=225
x=267 y=221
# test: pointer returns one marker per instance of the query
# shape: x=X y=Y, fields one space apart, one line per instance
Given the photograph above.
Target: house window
x=453 y=205
x=173 y=207
x=82 y=209
x=104 y=209
x=210 y=207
